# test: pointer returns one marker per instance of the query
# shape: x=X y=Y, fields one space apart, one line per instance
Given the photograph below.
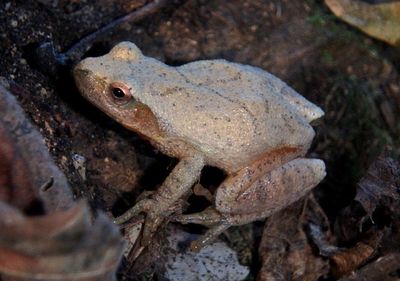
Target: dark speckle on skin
x=243 y=106
x=267 y=106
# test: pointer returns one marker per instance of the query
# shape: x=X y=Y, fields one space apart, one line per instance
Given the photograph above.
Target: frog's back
x=253 y=80
x=233 y=119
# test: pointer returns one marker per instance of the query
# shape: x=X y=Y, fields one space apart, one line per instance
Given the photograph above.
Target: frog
x=238 y=118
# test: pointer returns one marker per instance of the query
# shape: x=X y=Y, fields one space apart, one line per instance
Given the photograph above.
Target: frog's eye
x=120 y=93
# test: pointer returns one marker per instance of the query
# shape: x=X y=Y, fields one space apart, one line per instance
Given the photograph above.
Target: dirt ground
x=354 y=78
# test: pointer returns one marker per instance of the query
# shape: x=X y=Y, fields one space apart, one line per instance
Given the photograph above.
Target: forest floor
x=355 y=79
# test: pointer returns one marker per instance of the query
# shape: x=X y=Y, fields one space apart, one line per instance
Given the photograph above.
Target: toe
x=142 y=206
x=151 y=225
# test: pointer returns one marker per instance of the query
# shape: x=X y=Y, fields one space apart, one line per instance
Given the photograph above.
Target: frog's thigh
x=238 y=182
x=270 y=192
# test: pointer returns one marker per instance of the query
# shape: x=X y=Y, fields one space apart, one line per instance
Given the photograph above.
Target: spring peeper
x=236 y=117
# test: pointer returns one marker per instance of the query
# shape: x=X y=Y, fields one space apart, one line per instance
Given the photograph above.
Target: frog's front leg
x=158 y=206
x=260 y=197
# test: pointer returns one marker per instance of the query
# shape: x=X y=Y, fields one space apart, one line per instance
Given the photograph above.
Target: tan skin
x=238 y=118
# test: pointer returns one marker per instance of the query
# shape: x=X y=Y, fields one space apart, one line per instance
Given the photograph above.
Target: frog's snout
x=80 y=73
x=82 y=77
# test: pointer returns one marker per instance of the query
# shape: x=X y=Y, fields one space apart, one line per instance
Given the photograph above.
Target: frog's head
x=107 y=82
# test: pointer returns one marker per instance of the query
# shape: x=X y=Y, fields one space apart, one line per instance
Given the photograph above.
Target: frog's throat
x=143 y=122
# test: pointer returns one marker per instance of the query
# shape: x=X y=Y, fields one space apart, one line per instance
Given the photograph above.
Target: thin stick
x=76 y=51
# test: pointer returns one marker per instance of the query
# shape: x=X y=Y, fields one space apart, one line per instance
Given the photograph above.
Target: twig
x=76 y=51
x=49 y=60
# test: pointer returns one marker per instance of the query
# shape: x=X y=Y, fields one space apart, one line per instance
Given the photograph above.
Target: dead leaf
x=370 y=223
x=15 y=179
x=383 y=269
x=213 y=262
x=347 y=260
x=381 y=21
x=59 y=242
x=320 y=239
x=380 y=186
x=348 y=224
x=58 y=246
x=31 y=149
x=285 y=251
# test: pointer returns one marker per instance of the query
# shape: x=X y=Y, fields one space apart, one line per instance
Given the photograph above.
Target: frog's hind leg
x=268 y=193
x=237 y=183
x=272 y=191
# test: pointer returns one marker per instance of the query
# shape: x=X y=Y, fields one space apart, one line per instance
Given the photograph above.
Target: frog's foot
x=166 y=200
x=145 y=195
x=156 y=217
x=143 y=206
x=216 y=222
x=208 y=217
x=209 y=236
x=153 y=221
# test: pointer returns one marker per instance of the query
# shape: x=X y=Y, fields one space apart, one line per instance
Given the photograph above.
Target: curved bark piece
x=33 y=154
x=60 y=242
x=381 y=21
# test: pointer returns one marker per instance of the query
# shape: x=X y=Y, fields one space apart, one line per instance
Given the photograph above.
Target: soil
x=354 y=78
